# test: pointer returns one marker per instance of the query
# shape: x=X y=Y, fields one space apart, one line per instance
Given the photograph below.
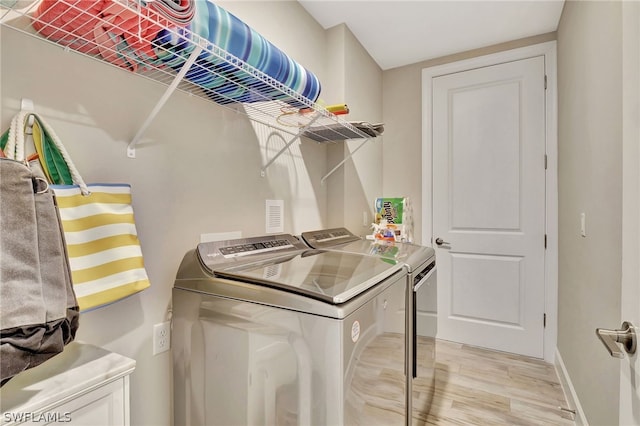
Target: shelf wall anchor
x=27 y=105
x=131 y=148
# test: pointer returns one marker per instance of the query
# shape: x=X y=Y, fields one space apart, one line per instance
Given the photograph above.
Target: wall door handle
x=625 y=335
x=440 y=241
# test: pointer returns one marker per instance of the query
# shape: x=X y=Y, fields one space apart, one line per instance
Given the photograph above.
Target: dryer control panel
x=328 y=238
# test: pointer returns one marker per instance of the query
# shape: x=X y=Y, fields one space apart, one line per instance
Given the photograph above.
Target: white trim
x=548 y=50
x=630 y=283
x=569 y=391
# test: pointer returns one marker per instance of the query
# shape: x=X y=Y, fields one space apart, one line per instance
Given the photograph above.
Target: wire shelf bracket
x=131 y=148
x=344 y=160
x=263 y=170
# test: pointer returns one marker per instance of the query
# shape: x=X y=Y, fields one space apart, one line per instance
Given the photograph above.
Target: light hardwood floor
x=469 y=386
x=475 y=386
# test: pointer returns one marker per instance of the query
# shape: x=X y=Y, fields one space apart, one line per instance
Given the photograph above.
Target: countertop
x=80 y=368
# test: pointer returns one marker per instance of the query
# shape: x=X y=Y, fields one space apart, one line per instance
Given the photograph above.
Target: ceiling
x=397 y=33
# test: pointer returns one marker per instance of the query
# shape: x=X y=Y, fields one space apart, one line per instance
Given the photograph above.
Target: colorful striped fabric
x=121 y=34
x=180 y=12
x=146 y=34
x=225 y=84
x=124 y=39
x=102 y=243
x=69 y=22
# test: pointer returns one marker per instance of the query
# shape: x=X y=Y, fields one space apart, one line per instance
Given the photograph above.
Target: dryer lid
x=341 y=239
x=332 y=277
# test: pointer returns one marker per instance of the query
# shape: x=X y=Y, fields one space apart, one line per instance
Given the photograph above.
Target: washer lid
x=333 y=277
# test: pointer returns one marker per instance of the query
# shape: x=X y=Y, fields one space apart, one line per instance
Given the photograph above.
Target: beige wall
x=402 y=112
x=354 y=187
x=197 y=168
x=590 y=181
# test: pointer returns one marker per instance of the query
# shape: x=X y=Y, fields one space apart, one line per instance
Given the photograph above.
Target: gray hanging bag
x=38 y=309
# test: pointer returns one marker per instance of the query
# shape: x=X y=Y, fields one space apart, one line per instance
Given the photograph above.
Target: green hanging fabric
x=53 y=164
x=4 y=139
x=51 y=159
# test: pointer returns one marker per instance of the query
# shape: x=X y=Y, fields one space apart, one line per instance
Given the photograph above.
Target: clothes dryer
x=421 y=319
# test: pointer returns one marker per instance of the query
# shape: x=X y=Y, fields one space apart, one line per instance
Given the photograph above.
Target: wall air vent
x=274 y=216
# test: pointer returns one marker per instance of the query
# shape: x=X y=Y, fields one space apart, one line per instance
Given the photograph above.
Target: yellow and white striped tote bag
x=97 y=219
x=102 y=242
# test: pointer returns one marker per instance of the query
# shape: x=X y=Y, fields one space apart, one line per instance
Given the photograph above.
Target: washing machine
x=421 y=285
x=266 y=331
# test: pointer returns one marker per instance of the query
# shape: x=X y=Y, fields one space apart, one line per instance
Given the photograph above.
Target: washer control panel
x=216 y=253
x=255 y=248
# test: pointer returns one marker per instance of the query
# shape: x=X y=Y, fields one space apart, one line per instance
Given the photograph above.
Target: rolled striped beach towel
x=223 y=82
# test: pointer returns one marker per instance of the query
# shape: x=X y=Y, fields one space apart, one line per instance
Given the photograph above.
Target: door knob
x=626 y=335
x=440 y=241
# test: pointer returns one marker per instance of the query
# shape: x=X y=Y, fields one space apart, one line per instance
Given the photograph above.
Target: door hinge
x=545 y=241
x=545 y=82
x=544 y=320
x=546 y=161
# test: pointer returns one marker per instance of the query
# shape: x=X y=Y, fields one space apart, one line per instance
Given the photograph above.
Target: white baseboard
x=569 y=392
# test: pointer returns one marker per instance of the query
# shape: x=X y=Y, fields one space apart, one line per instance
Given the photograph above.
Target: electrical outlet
x=161 y=337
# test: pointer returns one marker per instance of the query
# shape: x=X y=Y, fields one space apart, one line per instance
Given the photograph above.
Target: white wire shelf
x=264 y=99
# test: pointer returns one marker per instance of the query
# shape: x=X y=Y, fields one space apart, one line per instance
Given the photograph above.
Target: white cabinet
x=84 y=385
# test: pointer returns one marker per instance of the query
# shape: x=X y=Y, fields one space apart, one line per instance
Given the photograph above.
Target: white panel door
x=489 y=205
